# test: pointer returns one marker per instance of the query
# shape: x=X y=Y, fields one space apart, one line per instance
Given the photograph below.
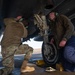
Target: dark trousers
x=68 y=55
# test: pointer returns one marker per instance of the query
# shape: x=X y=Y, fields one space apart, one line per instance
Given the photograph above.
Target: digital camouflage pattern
x=11 y=44
x=8 y=56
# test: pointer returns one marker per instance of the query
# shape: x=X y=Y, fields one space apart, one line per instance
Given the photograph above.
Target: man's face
x=52 y=16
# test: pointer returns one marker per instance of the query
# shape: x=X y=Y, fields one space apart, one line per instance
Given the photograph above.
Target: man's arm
x=69 y=31
x=69 y=28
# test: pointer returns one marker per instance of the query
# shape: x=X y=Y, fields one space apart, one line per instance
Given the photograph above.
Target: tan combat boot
x=25 y=68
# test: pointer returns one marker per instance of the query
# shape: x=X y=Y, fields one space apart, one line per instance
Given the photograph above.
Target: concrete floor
x=38 y=70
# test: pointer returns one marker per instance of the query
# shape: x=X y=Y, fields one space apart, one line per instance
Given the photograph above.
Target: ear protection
x=56 y=14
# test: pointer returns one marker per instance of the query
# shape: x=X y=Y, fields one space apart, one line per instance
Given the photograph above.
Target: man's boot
x=25 y=68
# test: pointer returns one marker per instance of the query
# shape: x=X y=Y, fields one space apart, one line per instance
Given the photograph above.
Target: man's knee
x=69 y=54
x=28 y=53
x=27 y=47
x=30 y=49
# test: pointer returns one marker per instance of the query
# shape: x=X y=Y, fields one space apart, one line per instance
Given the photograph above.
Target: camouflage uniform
x=11 y=44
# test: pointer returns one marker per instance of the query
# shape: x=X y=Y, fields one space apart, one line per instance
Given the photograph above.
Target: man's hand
x=62 y=43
